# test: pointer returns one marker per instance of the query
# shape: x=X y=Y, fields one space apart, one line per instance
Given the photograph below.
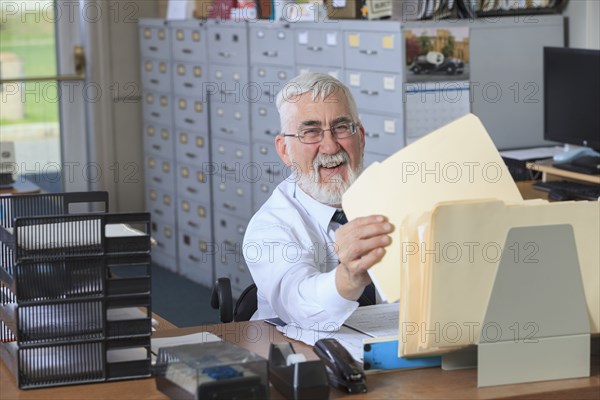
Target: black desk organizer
x=58 y=298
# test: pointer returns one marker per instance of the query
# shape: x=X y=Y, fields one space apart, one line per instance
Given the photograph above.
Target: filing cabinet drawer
x=267 y=81
x=337 y=73
x=230 y=231
x=164 y=234
x=231 y=121
x=167 y=261
x=383 y=134
x=193 y=215
x=160 y=204
x=196 y=257
x=261 y=191
x=189 y=79
x=271 y=44
x=231 y=158
x=322 y=47
x=160 y=173
x=190 y=113
x=154 y=39
x=188 y=40
x=157 y=108
x=193 y=182
x=191 y=147
x=265 y=122
x=370 y=158
x=373 y=51
x=232 y=196
x=227 y=43
x=156 y=75
x=272 y=168
x=376 y=91
x=229 y=84
x=158 y=140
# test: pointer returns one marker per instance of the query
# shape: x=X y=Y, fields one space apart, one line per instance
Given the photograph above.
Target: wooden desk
x=551 y=173
x=430 y=383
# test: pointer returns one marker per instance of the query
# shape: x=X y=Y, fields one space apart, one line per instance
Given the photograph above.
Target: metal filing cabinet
x=273 y=64
x=192 y=154
x=373 y=59
x=230 y=97
x=159 y=141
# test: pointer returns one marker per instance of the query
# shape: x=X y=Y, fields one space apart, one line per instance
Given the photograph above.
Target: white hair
x=320 y=85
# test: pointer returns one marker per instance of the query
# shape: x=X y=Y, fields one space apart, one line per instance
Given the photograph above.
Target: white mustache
x=330 y=160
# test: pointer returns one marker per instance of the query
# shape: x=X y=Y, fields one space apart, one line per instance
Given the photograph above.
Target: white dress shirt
x=289 y=249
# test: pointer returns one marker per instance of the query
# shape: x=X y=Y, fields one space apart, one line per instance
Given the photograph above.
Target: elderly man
x=309 y=269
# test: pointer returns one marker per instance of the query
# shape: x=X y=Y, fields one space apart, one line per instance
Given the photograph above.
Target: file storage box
x=65 y=316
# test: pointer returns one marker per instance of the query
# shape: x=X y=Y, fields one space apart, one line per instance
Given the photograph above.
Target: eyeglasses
x=316 y=134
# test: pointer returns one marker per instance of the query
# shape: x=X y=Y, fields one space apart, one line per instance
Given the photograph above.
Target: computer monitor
x=572 y=96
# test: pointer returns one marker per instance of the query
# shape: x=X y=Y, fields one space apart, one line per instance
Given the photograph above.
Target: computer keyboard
x=569 y=190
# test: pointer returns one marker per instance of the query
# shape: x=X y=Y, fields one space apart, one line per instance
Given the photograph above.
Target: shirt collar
x=321 y=212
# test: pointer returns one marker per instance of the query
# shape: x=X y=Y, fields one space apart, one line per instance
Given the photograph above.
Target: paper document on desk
x=453 y=289
x=458 y=161
x=376 y=321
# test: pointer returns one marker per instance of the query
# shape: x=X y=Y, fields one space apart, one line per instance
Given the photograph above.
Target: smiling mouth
x=332 y=164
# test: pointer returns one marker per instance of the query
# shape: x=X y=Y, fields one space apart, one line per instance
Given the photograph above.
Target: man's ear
x=281 y=147
x=361 y=132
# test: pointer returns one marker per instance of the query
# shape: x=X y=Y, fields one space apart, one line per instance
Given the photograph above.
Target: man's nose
x=329 y=144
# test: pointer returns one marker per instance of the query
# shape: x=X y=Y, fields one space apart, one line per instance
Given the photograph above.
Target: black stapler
x=344 y=372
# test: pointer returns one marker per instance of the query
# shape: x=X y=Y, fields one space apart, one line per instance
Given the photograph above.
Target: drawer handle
x=156 y=147
x=193 y=258
x=159 y=212
x=315 y=48
x=192 y=224
x=157 y=179
x=267 y=93
x=372 y=135
x=190 y=155
x=153 y=48
x=229 y=244
x=368 y=52
x=189 y=120
x=188 y=85
x=154 y=81
x=155 y=114
x=187 y=51
x=270 y=53
x=370 y=92
x=272 y=171
x=191 y=189
x=225 y=130
x=270 y=133
x=160 y=244
x=225 y=54
x=228 y=168
x=229 y=206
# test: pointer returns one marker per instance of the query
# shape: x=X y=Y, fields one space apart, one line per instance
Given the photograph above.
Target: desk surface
x=430 y=383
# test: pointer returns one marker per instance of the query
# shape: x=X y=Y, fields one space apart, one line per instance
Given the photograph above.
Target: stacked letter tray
x=65 y=316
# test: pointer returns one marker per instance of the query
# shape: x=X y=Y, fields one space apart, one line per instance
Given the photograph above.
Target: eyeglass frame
x=353 y=128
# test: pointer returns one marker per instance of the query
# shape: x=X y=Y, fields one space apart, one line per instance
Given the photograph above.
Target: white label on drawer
x=302 y=37
x=354 y=79
x=389 y=82
x=389 y=126
x=332 y=39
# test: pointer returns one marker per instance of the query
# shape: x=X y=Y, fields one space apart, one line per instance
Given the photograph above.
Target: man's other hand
x=359 y=245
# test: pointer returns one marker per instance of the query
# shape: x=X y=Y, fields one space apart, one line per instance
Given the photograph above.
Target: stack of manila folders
x=452 y=202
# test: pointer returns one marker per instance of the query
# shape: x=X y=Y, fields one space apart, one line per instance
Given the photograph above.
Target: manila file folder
x=458 y=161
x=449 y=284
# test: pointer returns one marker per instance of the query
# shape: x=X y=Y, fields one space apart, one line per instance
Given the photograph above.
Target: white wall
x=584 y=28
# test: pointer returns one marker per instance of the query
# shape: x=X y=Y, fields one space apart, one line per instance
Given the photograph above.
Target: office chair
x=222 y=300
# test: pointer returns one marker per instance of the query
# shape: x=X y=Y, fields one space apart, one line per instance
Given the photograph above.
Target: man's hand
x=359 y=245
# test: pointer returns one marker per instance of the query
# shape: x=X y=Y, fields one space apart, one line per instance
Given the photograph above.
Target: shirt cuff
x=338 y=307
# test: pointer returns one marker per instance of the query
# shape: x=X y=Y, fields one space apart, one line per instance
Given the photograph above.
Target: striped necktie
x=340 y=217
